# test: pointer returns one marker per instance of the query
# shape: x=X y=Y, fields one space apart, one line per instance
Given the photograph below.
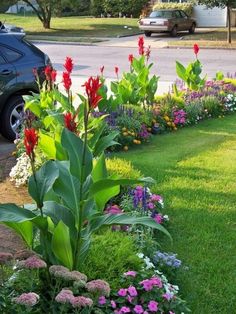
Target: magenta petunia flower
x=102 y=300
x=132 y=291
x=113 y=304
x=122 y=292
x=131 y=273
x=153 y=306
x=138 y=309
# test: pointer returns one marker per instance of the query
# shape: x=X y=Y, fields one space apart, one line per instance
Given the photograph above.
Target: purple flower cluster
x=144 y=134
x=179 y=117
x=27 y=299
x=99 y=287
x=166 y=259
x=32 y=262
x=65 y=296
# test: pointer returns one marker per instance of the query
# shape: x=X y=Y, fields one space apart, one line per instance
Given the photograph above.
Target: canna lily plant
x=69 y=191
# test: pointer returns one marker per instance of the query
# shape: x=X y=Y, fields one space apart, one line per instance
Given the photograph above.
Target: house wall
x=215 y=17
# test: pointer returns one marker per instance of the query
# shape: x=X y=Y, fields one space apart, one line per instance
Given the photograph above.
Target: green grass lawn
x=195 y=170
x=75 y=26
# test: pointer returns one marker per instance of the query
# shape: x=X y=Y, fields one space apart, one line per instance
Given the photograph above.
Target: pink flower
x=148 y=52
x=170 y=312
x=168 y=296
x=129 y=299
x=32 y=262
x=130 y=273
x=122 y=292
x=99 y=286
x=102 y=300
x=27 y=299
x=156 y=281
x=147 y=285
x=156 y=198
x=114 y=209
x=132 y=291
x=5 y=257
x=150 y=205
x=80 y=301
x=158 y=218
x=125 y=309
x=113 y=304
x=153 y=306
x=138 y=309
x=65 y=296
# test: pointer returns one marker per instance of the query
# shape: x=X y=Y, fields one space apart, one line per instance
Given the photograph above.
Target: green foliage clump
x=212 y=105
x=122 y=168
x=186 y=7
x=111 y=254
x=168 y=102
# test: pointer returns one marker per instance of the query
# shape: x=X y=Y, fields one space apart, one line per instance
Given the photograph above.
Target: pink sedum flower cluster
x=27 y=299
x=99 y=287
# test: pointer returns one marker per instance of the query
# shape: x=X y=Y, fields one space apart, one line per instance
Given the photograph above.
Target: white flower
x=140 y=255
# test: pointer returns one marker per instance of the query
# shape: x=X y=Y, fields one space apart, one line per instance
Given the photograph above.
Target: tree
x=45 y=8
x=4 y=5
x=228 y=4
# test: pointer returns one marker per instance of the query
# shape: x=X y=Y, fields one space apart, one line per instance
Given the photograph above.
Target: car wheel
x=12 y=117
x=174 y=31
x=192 y=29
x=148 y=34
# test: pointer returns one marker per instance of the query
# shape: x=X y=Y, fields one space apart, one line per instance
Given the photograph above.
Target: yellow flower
x=166 y=118
x=125 y=133
x=124 y=129
x=125 y=148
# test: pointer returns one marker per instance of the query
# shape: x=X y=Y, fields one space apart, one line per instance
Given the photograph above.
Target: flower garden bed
x=83 y=199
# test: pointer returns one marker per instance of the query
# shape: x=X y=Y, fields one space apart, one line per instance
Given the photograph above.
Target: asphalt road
x=89 y=59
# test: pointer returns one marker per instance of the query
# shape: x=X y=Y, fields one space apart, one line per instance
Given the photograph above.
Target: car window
x=183 y=14
x=10 y=54
x=161 y=14
x=177 y=14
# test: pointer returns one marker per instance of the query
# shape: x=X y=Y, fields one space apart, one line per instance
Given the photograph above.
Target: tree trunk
x=46 y=23
x=229 y=39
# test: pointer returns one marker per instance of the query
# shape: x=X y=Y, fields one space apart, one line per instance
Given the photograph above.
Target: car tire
x=192 y=29
x=174 y=31
x=12 y=117
x=148 y=34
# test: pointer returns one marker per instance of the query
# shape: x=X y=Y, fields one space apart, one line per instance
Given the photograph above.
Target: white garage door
x=210 y=17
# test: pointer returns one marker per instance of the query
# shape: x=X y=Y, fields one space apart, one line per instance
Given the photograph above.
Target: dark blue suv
x=18 y=58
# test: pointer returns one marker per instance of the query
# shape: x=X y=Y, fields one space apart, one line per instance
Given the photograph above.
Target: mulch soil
x=9 y=240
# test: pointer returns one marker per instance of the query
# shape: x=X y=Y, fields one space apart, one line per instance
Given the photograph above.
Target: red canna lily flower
x=69 y=121
x=66 y=80
x=92 y=87
x=68 y=65
x=47 y=72
x=30 y=141
x=141 y=45
x=196 y=49
x=116 y=70
x=102 y=69
x=53 y=75
x=131 y=58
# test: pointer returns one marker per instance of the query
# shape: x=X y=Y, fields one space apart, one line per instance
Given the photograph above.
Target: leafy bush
x=186 y=7
x=212 y=106
x=122 y=168
x=125 y=7
x=111 y=254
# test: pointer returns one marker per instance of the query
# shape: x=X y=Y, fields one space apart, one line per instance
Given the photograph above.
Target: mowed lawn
x=195 y=169
x=75 y=26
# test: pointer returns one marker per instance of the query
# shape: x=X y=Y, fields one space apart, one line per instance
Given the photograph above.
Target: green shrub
x=122 y=168
x=168 y=102
x=125 y=7
x=111 y=254
x=186 y=7
x=194 y=112
x=212 y=106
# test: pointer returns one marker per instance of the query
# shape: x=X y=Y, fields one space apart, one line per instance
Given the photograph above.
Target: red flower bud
x=131 y=58
x=141 y=45
x=30 y=141
x=66 y=80
x=148 y=52
x=195 y=49
x=47 y=72
x=68 y=64
x=92 y=87
x=69 y=121
x=102 y=69
x=116 y=70
x=53 y=75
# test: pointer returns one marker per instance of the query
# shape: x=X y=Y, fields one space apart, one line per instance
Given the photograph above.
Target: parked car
x=18 y=58
x=11 y=28
x=171 y=21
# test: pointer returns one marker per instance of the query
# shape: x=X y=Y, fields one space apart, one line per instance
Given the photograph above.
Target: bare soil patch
x=9 y=240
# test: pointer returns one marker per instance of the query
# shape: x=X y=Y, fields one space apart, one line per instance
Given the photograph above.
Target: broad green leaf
x=47 y=145
x=123 y=219
x=105 y=142
x=67 y=187
x=74 y=147
x=102 y=185
x=42 y=182
x=13 y=213
x=61 y=245
x=99 y=170
x=24 y=229
x=181 y=71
